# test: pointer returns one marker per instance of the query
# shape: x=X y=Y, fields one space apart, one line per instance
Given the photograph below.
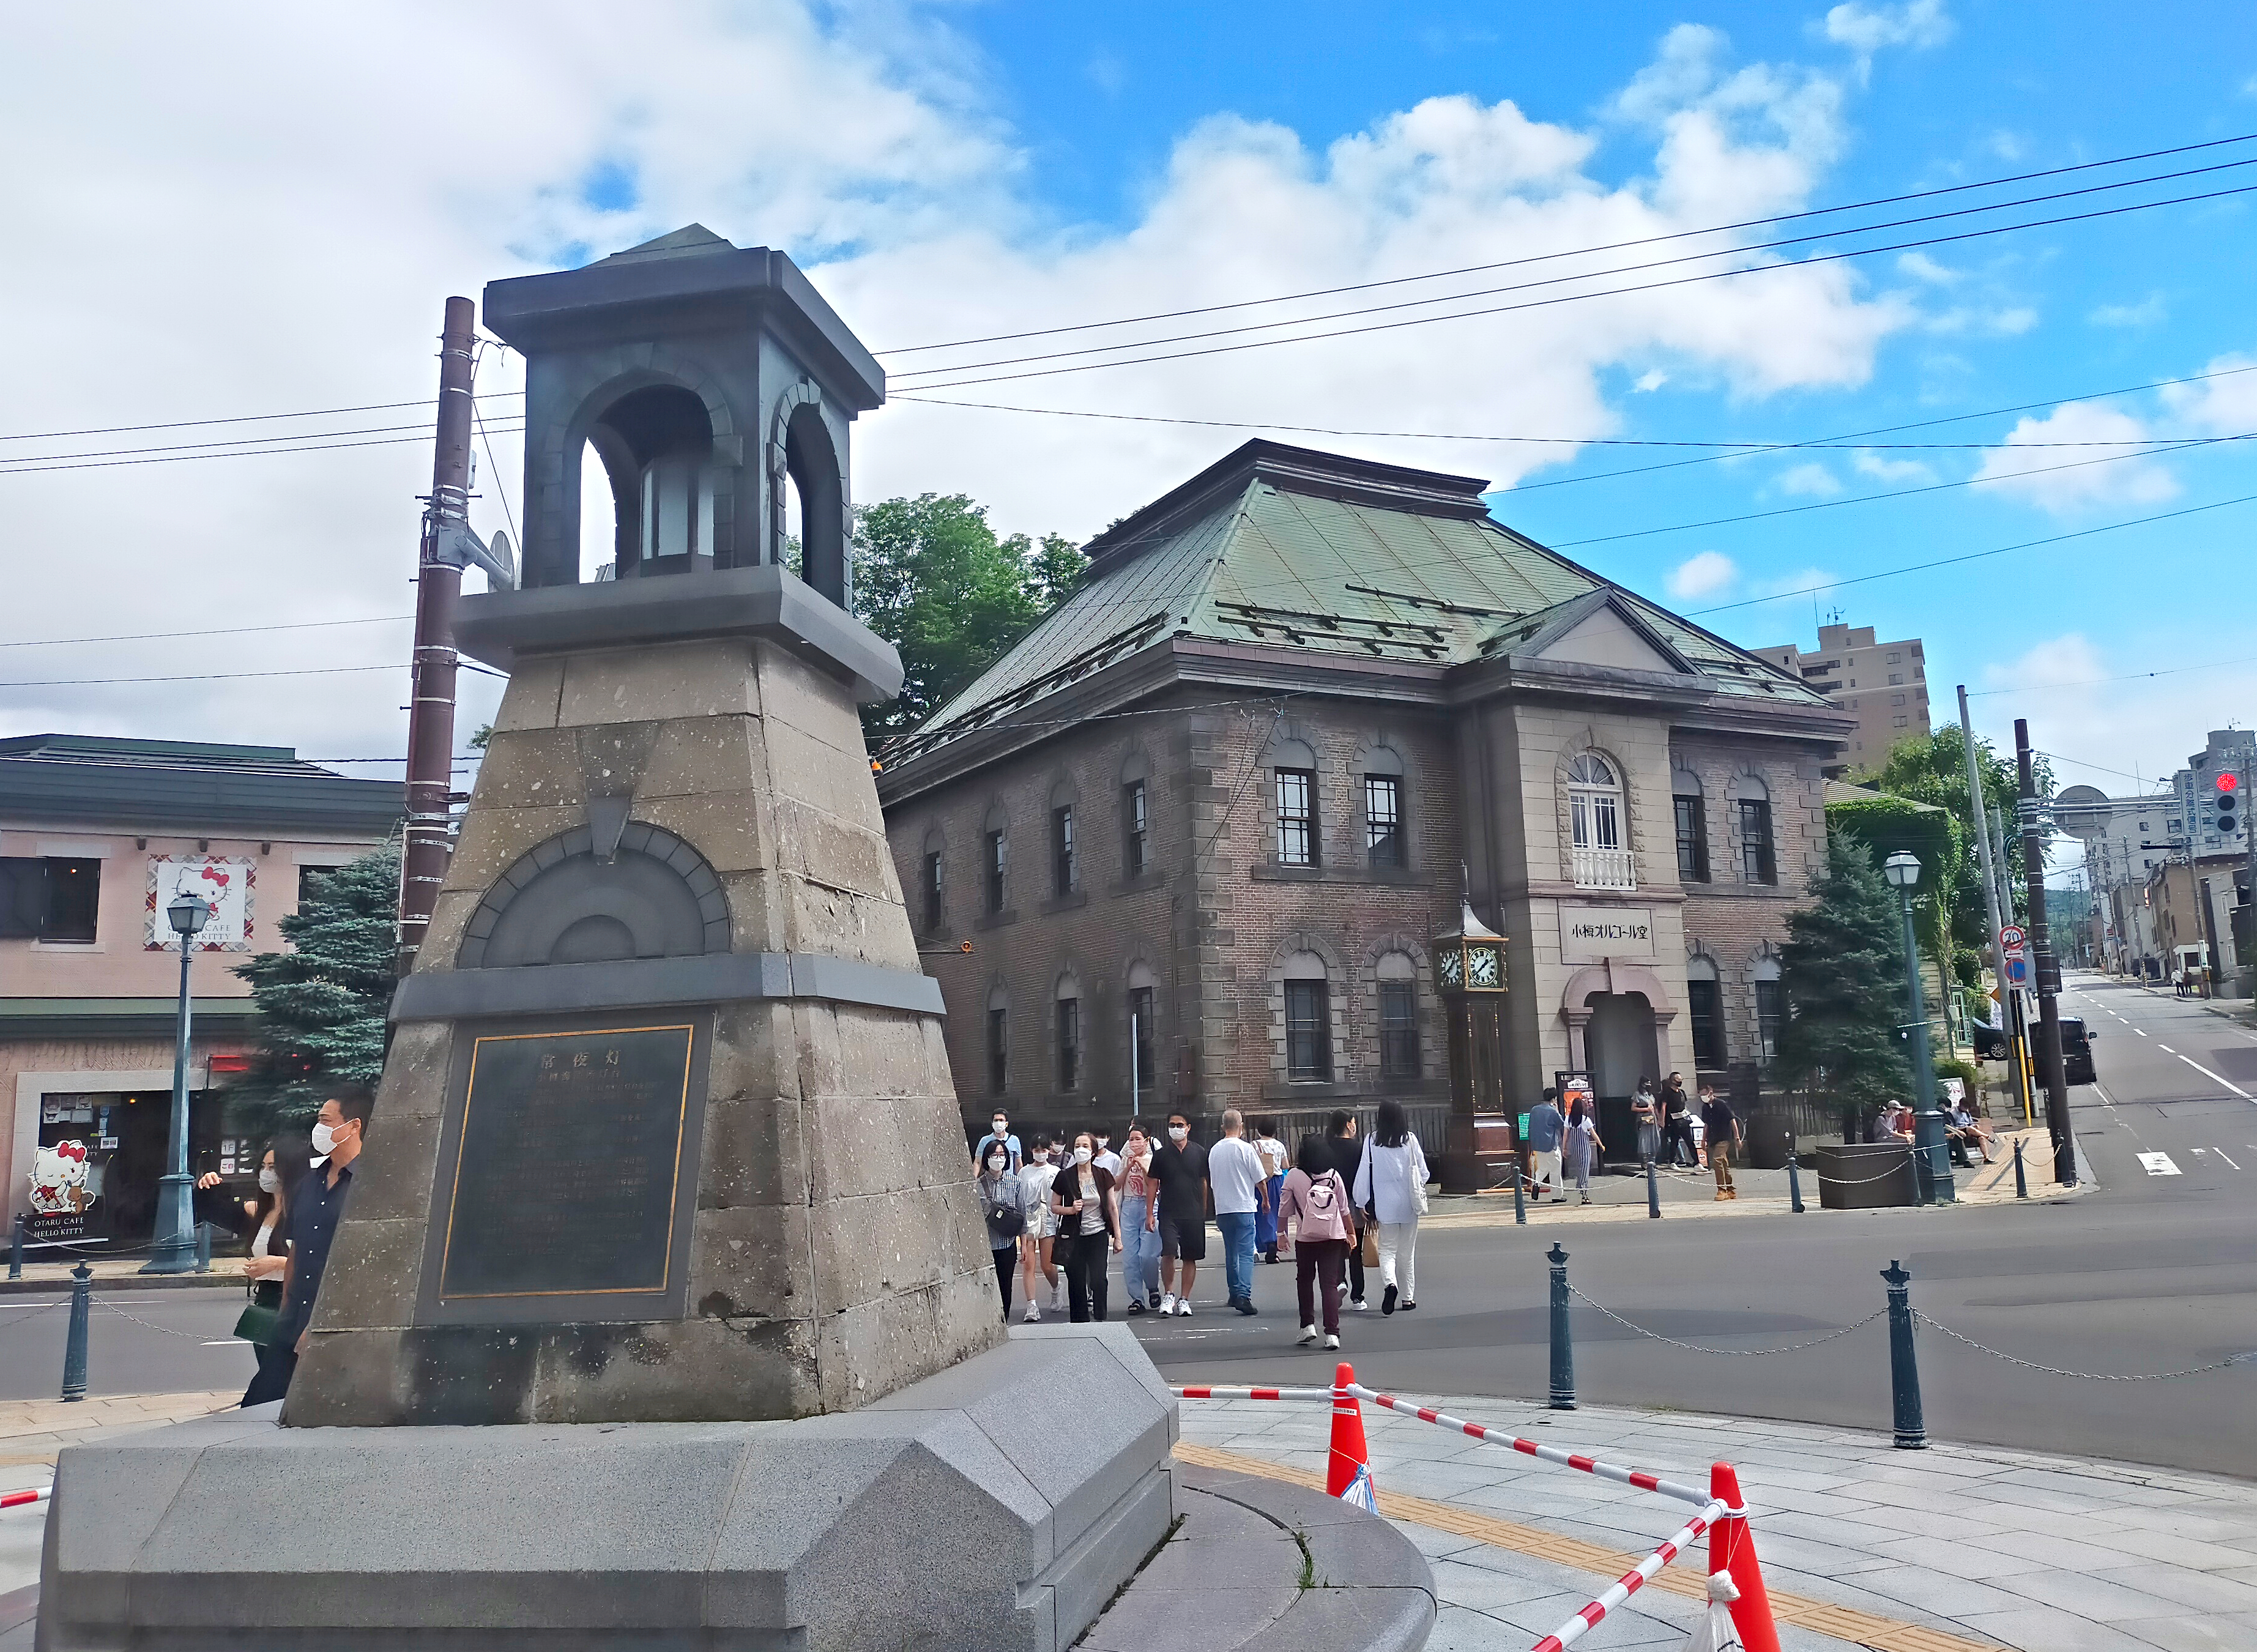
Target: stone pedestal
x=666 y=1131
x=999 y=1505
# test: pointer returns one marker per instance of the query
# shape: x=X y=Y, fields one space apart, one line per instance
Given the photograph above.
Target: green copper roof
x=1283 y=547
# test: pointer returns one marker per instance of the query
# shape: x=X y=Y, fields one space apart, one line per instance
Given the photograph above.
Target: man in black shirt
x=1677 y=1125
x=1180 y=1164
x=316 y=1205
x=1720 y=1129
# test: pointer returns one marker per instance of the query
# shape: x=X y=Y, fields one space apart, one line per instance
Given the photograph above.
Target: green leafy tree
x=322 y=1005
x=933 y=578
x=1843 y=969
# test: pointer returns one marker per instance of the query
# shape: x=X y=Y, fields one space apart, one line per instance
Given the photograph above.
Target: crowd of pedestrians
x=1058 y=1209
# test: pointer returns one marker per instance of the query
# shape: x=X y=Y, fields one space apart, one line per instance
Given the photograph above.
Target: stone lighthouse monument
x=661 y=1313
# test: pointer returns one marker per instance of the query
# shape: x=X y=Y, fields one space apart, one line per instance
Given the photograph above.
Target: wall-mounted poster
x=226 y=885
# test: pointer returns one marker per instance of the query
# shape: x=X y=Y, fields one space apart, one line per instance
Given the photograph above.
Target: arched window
x=999 y=1042
x=1068 y=1011
x=1308 y=1019
x=1759 y=859
x=812 y=482
x=1293 y=769
x=1399 y=1016
x=1141 y=1041
x=1692 y=813
x=1704 y=998
x=1770 y=1007
x=1382 y=808
x=1595 y=815
x=935 y=854
x=656 y=445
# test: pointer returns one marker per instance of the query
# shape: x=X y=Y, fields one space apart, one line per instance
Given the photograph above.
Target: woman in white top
x=1037 y=1260
x=262 y=1218
x=1391 y=1183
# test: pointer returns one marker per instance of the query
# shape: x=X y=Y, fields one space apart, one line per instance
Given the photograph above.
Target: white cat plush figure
x=58 y=1180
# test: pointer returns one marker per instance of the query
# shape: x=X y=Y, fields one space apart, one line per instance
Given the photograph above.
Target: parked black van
x=2076 y=1052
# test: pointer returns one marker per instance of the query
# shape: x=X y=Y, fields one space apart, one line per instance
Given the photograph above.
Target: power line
x=1611 y=246
x=242 y=453
x=1570 y=298
x=2095 y=681
x=1729 y=449
x=234 y=418
x=231 y=442
x=204 y=677
x=1557 y=281
x=215 y=631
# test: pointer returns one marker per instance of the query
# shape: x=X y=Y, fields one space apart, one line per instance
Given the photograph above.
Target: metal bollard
x=1793 y=1183
x=204 y=1247
x=74 y=1350
x=16 y=1251
x=1904 y=1362
x=1653 y=1191
x=1519 y=1204
x=1563 y=1346
x=2022 y=1181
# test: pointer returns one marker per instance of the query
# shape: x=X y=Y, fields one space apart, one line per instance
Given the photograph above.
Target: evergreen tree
x=1843 y=969
x=322 y=1005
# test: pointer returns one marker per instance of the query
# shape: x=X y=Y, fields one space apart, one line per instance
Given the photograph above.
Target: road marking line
x=2167 y=1049
x=2213 y=1077
x=2220 y=1152
x=2142 y=1031
x=1843 y=1623
x=229 y=1342
x=2158 y=1163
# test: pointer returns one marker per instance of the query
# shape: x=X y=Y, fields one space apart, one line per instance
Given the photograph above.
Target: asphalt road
x=2149 y=1272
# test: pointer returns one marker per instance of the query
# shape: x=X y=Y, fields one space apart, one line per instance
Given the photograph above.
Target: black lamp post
x=174 y=1248
x=1931 y=1150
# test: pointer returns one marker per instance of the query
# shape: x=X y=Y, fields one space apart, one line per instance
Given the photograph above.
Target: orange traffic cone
x=1732 y=1550
x=1347 y=1473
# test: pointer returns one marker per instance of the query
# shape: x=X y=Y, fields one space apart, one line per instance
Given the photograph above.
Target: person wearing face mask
x=1139 y=1209
x=263 y=1219
x=999 y=1132
x=1106 y=1160
x=1003 y=1203
x=1180 y=1164
x=1083 y=1199
x=316 y=1205
x=1037 y=1246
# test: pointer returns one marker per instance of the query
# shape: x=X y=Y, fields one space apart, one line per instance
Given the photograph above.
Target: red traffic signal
x=2227 y=782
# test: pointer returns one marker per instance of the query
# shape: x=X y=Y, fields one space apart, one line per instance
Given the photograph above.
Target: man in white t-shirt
x=1234 y=1170
x=1105 y=1158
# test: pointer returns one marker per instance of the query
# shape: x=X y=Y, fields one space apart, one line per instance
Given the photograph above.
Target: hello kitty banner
x=223 y=884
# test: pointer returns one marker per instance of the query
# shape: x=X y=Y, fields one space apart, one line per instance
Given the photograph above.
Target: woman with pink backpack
x=1315 y=1202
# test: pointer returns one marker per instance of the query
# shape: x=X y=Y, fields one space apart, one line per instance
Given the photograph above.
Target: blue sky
x=951 y=171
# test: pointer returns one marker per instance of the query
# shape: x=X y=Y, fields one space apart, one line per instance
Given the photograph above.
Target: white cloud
x=2146 y=313
x=1809 y=481
x=1802 y=582
x=1918 y=24
x=1978 y=321
x=308 y=271
x=1900 y=472
x=1702 y=576
x=1922 y=267
x=1650 y=381
x=2222 y=406
x=2036 y=474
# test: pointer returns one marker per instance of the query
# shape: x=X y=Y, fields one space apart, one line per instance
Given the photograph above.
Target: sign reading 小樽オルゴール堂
x=564 y=1182
x=1589 y=934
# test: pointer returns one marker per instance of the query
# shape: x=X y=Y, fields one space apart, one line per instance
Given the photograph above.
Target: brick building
x=1201 y=825
x=1883 y=685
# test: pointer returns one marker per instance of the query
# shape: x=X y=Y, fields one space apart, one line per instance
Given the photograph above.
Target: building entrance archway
x=1618 y=1015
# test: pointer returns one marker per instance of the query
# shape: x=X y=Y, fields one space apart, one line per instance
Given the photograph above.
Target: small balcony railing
x=1604 y=868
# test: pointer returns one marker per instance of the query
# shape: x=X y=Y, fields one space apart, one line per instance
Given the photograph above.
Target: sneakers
x=1245 y=1304
x=1167 y=1304
x=1387 y=1302
x=1340 y=1289
x=1153 y=1301
x=1331 y=1342
x=1308 y=1335
x=1183 y=1308
x=1587 y=1195
x=1033 y=1315
x=1358 y=1304
x=1409 y=1308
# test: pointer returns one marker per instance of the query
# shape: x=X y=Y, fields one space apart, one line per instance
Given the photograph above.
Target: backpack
x=1324 y=1208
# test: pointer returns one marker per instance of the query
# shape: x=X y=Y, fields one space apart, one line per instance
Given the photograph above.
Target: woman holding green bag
x=262 y=1221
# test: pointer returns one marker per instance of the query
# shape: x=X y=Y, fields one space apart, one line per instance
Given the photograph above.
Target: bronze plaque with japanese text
x=567 y=1167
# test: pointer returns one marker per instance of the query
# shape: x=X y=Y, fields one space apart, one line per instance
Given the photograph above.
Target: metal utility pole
x=2048 y=968
x=439 y=582
x=1980 y=809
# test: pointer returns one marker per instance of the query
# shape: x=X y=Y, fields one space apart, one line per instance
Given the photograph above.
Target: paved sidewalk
x=49 y=1276
x=1862 y=1545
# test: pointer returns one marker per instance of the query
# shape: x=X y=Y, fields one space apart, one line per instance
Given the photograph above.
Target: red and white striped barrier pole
x=19 y=1499
x=1638 y=1477
x=1732 y=1548
x=1212 y=1393
x=1633 y=1580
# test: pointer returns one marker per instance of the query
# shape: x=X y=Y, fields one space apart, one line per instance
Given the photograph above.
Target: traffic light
x=2228 y=796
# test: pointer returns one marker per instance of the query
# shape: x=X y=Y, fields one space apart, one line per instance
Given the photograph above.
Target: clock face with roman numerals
x=1481 y=966
x=1452 y=963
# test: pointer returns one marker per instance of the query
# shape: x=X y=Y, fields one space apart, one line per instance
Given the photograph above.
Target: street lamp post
x=1931 y=1150
x=173 y=1248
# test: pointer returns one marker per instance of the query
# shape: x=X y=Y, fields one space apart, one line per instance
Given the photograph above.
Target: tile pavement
x=1990 y=1547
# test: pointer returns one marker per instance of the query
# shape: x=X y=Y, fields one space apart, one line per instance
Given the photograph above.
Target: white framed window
x=1594 y=818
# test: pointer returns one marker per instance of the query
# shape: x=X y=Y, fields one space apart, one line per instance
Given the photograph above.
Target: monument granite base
x=1000 y=1504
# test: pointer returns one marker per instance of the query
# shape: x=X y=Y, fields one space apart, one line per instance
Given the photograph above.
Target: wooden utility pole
x=439 y=582
x=2047 y=967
